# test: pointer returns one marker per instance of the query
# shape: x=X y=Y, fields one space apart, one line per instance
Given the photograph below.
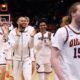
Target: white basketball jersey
x=43 y=51
x=2 y=48
x=71 y=54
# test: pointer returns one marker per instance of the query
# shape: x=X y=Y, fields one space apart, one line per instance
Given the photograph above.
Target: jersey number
x=76 y=52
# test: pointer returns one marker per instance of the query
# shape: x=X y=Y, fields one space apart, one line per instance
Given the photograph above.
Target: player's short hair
x=42 y=20
x=27 y=18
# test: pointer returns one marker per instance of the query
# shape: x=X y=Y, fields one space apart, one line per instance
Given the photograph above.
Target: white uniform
x=70 y=51
x=2 y=48
x=21 y=48
x=42 y=50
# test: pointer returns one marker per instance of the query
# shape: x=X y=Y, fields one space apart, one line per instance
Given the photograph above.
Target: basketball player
x=21 y=40
x=66 y=47
x=3 y=38
x=42 y=50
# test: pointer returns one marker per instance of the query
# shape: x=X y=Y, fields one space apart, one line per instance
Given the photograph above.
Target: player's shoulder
x=62 y=30
x=30 y=27
x=62 y=33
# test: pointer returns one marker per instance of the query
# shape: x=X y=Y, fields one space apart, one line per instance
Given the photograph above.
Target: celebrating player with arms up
x=4 y=29
x=42 y=50
x=21 y=40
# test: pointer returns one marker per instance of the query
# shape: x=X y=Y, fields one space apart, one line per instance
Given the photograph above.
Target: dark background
x=40 y=8
x=53 y=10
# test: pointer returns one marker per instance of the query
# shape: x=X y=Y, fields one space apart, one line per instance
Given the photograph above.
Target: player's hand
x=42 y=36
x=5 y=37
x=5 y=28
x=49 y=35
x=33 y=33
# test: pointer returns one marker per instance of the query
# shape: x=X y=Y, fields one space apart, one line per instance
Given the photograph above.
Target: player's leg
x=27 y=70
x=56 y=77
x=47 y=76
x=41 y=76
x=16 y=70
x=2 y=66
x=40 y=71
x=2 y=72
x=44 y=71
x=47 y=70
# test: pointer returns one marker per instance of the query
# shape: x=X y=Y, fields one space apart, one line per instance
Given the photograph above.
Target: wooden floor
x=34 y=77
x=9 y=75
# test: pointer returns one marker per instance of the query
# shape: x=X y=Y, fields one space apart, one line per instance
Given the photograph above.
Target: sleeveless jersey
x=70 y=52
